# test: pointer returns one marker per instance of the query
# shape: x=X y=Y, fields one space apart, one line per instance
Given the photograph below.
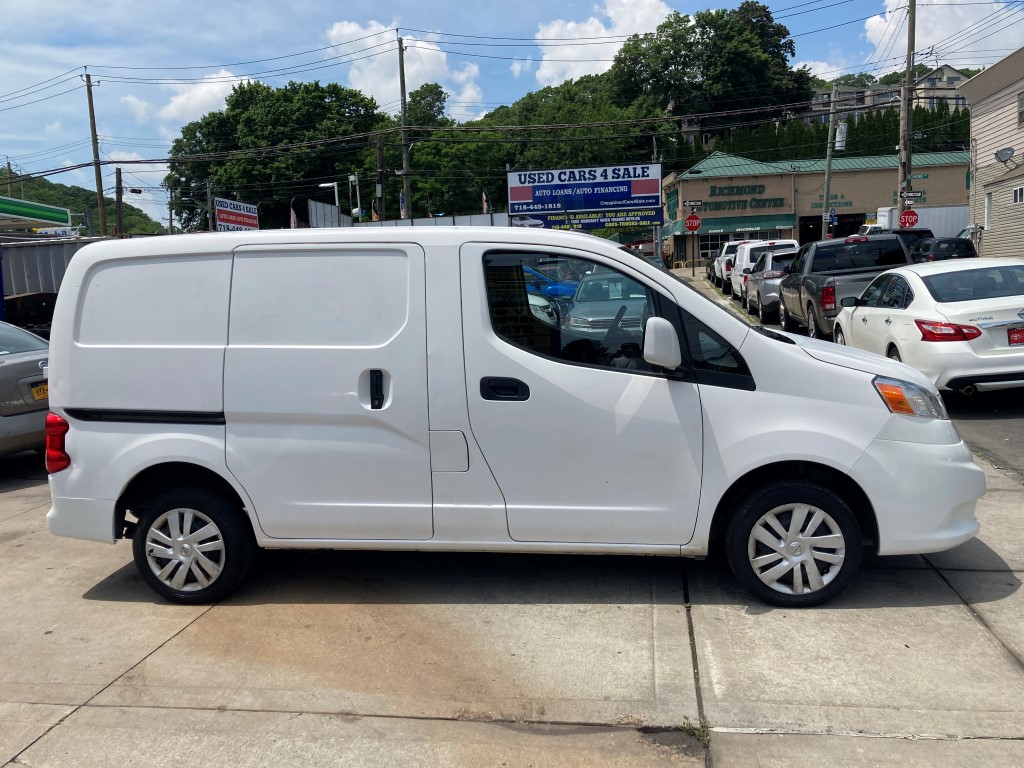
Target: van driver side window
x=574 y=310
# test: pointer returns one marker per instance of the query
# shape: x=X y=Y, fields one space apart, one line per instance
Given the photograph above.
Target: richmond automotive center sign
x=233 y=215
x=613 y=196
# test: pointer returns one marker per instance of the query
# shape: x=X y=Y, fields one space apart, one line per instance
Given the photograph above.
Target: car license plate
x=42 y=391
x=1016 y=337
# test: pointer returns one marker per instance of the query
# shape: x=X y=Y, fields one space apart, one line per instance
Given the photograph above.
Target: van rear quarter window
x=180 y=301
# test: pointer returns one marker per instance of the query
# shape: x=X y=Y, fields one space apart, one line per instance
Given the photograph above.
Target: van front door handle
x=501 y=388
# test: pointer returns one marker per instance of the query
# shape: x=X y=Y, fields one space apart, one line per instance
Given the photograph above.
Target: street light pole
x=335 y=185
x=354 y=179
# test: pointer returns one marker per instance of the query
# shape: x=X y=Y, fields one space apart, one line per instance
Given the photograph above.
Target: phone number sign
x=587 y=198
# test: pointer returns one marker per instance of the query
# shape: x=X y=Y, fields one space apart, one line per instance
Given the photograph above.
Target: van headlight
x=910 y=399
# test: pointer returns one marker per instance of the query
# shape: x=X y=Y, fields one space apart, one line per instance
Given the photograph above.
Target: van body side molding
x=147 y=417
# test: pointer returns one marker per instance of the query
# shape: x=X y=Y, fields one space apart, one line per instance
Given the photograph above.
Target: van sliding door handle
x=500 y=388
x=376 y=389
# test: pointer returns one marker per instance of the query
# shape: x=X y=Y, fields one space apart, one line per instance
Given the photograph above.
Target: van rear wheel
x=192 y=546
x=794 y=544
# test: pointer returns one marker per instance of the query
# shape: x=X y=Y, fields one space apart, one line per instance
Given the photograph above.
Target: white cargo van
x=399 y=389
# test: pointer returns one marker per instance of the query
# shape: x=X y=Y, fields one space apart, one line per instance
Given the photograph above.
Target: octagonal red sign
x=908 y=219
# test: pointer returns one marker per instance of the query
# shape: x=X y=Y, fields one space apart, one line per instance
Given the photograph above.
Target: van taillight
x=828 y=298
x=57 y=458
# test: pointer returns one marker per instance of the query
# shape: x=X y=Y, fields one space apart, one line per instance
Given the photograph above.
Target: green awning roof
x=18 y=212
x=709 y=226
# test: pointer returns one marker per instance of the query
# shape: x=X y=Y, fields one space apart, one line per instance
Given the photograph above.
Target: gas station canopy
x=19 y=214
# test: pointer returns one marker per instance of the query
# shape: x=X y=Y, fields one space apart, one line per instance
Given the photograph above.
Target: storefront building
x=744 y=199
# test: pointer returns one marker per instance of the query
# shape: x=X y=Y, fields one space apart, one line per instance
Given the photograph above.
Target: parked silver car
x=607 y=305
x=24 y=393
x=762 y=296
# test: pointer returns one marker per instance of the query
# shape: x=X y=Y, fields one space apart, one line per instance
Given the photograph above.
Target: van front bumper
x=924 y=495
x=90 y=519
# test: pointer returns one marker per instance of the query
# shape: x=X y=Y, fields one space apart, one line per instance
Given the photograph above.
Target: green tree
x=264 y=142
x=897 y=77
x=859 y=80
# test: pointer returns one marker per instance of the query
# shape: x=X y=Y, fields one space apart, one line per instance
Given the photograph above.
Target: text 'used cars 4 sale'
x=398 y=389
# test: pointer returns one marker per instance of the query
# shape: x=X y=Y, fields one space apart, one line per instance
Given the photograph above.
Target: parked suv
x=746 y=255
x=762 y=293
x=942 y=248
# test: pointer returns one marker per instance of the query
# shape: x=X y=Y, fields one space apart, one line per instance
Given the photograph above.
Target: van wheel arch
x=831 y=478
x=158 y=479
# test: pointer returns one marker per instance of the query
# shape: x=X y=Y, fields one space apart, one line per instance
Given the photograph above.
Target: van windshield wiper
x=772 y=334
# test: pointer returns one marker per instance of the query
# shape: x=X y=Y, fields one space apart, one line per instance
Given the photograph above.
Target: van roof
x=204 y=243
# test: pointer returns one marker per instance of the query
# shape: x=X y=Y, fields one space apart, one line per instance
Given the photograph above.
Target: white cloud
x=193 y=100
x=958 y=35
x=140 y=109
x=425 y=62
x=619 y=17
x=827 y=70
x=521 y=66
x=53 y=127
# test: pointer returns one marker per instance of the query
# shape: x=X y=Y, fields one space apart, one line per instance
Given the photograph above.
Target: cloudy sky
x=163 y=63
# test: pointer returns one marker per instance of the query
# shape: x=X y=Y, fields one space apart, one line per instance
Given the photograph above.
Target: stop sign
x=908 y=219
x=692 y=223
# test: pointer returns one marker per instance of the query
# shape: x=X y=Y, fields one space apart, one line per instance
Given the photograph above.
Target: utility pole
x=96 y=156
x=119 y=205
x=907 y=113
x=170 y=215
x=826 y=211
x=406 y=181
x=380 y=177
x=209 y=206
x=10 y=189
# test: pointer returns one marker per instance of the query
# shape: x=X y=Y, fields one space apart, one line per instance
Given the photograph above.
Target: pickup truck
x=826 y=271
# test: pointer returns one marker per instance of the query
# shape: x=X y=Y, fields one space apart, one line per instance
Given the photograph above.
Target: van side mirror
x=661 y=344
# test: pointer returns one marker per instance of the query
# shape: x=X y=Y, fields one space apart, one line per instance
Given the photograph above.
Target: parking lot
x=418 y=659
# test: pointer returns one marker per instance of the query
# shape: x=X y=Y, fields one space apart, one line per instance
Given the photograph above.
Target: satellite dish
x=1004 y=154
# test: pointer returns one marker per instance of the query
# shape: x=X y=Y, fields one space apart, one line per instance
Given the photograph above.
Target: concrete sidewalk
x=380 y=659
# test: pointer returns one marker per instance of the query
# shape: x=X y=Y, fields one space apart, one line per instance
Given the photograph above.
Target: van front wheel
x=794 y=544
x=192 y=546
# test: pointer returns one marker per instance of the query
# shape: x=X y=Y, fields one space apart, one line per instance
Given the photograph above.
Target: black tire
x=894 y=354
x=814 y=330
x=838 y=336
x=837 y=519
x=746 y=303
x=787 y=322
x=762 y=314
x=233 y=557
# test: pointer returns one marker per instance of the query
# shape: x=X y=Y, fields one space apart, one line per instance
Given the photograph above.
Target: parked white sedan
x=961 y=323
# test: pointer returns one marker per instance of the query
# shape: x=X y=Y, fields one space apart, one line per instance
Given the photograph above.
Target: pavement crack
x=88 y=702
x=702 y=717
x=1009 y=651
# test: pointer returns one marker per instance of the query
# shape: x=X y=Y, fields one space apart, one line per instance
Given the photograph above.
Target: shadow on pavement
x=360 y=577
x=879 y=585
x=21 y=466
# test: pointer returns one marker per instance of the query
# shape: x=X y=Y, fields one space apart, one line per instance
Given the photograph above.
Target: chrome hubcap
x=796 y=548
x=185 y=549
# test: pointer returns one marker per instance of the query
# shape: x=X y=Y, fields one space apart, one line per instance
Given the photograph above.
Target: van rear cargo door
x=325 y=390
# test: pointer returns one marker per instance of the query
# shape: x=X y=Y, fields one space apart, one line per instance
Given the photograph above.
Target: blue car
x=548 y=285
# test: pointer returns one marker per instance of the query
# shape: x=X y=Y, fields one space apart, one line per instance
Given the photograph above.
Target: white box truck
x=942 y=220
